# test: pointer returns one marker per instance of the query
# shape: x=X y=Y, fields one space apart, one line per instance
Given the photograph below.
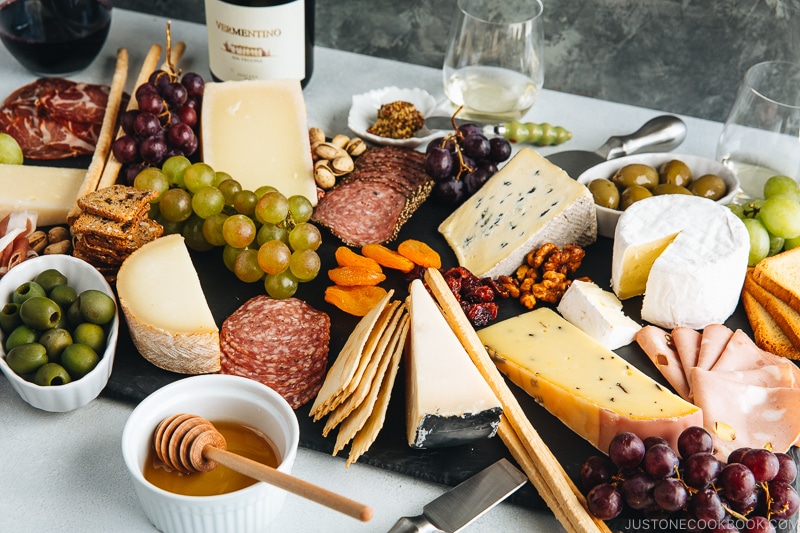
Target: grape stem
x=455 y=136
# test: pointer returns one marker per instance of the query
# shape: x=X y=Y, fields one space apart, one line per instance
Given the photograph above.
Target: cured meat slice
x=76 y=102
x=741 y=353
x=715 y=338
x=14 y=247
x=687 y=344
x=657 y=345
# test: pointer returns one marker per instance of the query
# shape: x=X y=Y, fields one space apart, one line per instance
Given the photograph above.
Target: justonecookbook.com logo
x=690 y=524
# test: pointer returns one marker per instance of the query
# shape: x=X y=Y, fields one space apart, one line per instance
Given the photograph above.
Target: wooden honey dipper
x=189 y=443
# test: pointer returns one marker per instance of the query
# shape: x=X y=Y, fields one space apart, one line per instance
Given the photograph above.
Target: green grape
x=207 y=201
x=305 y=236
x=775 y=244
x=173 y=168
x=193 y=234
x=229 y=254
x=212 y=229
x=300 y=208
x=304 y=264
x=153 y=211
x=280 y=286
x=274 y=256
x=782 y=185
x=246 y=268
x=175 y=205
x=272 y=207
x=152 y=179
x=10 y=151
x=228 y=188
x=268 y=232
x=752 y=208
x=239 y=231
x=170 y=227
x=220 y=176
x=788 y=244
x=759 y=240
x=245 y=202
x=737 y=210
x=261 y=191
x=781 y=216
x=198 y=175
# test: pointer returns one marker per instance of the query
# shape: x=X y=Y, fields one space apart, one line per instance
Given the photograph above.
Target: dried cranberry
x=480 y=294
x=481 y=314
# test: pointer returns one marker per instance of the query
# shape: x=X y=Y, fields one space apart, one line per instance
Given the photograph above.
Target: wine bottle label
x=260 y=43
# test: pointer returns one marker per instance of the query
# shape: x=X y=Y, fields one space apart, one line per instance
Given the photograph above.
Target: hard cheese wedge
x=527 y=203
x=165 y=308
x=50 y=191
x=257 y=131
x=448 y=401
x=588 y=387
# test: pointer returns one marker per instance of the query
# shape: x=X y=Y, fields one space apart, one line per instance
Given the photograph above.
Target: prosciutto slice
x=14 y=246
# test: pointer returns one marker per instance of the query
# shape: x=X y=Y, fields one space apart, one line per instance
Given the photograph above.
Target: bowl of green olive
x=59 y=322
x=618 y=183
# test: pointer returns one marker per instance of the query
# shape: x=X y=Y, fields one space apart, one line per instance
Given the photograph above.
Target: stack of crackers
x=358 y=385
x=113 y=224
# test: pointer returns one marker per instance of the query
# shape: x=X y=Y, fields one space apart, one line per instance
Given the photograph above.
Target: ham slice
x=687 y=344
x=657 y=344
x=715 y=338
x=14 y=231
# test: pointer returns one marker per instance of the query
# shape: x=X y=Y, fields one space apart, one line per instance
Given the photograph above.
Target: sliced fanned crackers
x=118 y=202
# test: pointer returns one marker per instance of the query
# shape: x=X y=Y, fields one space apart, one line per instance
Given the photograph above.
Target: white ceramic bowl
x=214 y=397
x=81 y=276
x=607 y=218
x=364 y=112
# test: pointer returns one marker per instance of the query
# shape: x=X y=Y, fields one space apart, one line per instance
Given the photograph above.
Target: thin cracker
x=118 y=202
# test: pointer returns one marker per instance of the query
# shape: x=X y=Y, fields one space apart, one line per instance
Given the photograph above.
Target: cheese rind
x=690 y=252
x=592 y=390
x=448 y=401
x=257 y=131
x=527 y=203
x=169 y=319
x=50 y=191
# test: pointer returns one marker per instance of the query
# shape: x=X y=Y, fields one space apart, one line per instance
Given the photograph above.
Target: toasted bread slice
x=782 y=313
x=118 y=202
x=767 y=332
x=780 y=275
x=141 y=231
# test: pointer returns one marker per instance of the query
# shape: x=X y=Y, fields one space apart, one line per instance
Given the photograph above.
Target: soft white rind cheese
x=50 y=191
x=169 y=319
x=527 y=203
x=448 y=401
x=598 y=313
x=692 y=255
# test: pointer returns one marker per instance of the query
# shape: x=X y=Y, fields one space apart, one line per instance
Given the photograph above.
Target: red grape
x=637 y=491
x=499 y=150
x=126 y=149
x=737 y=482
x=700 y=469
x=660 y=461
x=788 y=468
x=693 y=440
x=626 y=450
x=758 y=524
x=146 y=124
x=439 y=164
x=476 y=146
x=762 y=463
x=604 y=501
x=783 y=500
x=705 y=505
x=670 y=494
x=595 y=470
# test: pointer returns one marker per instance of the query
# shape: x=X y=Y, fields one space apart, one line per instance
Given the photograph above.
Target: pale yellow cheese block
x=257 y=131
x=165 y=308
x=594 y=391
x=50 y=191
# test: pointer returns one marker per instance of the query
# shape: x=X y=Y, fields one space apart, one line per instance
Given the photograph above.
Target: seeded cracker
x=118 y=203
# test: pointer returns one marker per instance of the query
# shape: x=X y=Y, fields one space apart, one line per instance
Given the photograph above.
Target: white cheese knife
x=461 y=505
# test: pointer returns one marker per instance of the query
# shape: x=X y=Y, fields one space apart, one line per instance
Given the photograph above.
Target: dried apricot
x=347 y=257
x=350 y=276
x=357 y=300
x=420 y=253
x=387 y=258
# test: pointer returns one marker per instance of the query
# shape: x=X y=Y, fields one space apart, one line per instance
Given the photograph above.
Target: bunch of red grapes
x=462 y=161
x=745 y=495
x=165 y=124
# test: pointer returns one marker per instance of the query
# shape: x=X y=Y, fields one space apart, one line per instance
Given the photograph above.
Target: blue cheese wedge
x=448 y=401
x=527 y=203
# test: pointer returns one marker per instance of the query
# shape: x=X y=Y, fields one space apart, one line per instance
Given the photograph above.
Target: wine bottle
x=260 y=39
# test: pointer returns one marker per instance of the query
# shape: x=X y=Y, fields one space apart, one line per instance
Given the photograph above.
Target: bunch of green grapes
x=266 y=236
x=773 y=222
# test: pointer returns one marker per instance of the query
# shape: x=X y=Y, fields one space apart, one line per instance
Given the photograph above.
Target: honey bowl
x=231 y=401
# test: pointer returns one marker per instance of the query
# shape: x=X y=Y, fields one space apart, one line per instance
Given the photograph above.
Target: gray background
x=680 y=56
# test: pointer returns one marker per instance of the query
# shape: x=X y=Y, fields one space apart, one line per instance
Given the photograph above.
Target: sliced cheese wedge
x=448 y=401
x=595 y=392
x=50 y=191
x=169 y=319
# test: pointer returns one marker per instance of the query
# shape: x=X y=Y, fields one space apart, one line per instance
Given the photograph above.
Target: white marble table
x=64 y=472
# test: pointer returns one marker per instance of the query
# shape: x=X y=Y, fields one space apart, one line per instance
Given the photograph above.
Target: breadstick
x=104 y=139
x=544 y=470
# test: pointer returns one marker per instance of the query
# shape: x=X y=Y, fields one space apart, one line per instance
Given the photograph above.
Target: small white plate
x=364 y=113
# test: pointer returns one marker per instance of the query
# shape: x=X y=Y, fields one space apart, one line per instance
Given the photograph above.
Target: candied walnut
x=536 y=258
x=350 y=276
x=528 y=300
x=510 y=284
x=420 y=253
x=496 y=287
x=523 y=271
x=551 y=288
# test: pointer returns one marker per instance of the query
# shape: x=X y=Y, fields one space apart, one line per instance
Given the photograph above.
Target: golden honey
x=242 y=440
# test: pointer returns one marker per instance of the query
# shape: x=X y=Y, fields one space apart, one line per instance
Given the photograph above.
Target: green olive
x=79 y=360
x=55 y=340
x=50 y=278
x=631 y=195
x=74 y=316
x=91 y=335
x=40 y=312
x=96 y=306
x=9 y=317
x=27 y=290
x=635 y=174
x=675 y=172
x=605 y=193
x=63 y=295
x=22 y=334
x=709 y=186
x=26 y=358
x=51 y=374
x=669 y=188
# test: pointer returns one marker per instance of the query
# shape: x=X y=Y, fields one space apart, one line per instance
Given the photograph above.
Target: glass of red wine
x=54 y=37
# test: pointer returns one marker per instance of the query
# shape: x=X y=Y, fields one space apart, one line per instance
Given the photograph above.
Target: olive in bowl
x=55 y=367
x=642 y=175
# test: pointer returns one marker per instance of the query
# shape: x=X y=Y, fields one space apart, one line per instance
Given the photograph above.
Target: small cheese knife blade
x=461 y=505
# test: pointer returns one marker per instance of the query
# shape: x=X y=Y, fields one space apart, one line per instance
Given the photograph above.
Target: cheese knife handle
x=414 y=524
x=660 y=134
